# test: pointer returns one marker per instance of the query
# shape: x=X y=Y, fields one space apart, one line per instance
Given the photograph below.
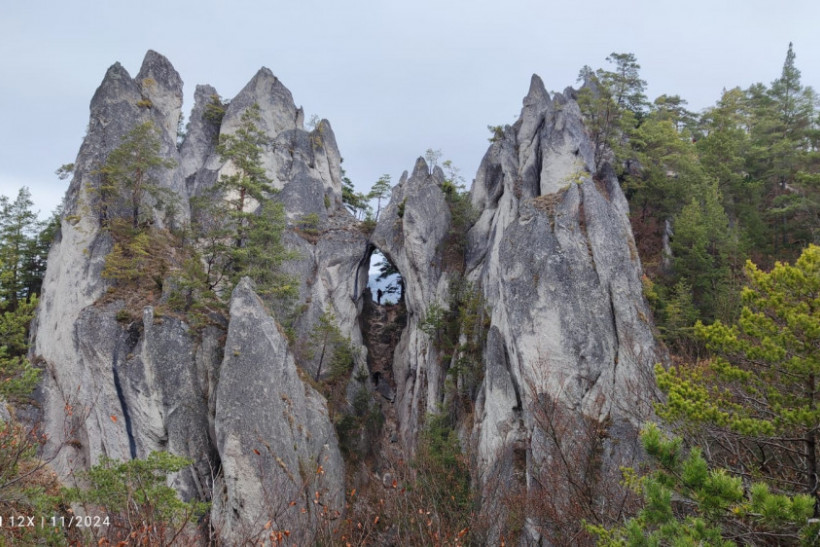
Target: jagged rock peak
x=160 y=69
x=537 y=95
x=271 y=428
x=279 y=112
x=420 y=170
x=116 y=83
x=161 y=91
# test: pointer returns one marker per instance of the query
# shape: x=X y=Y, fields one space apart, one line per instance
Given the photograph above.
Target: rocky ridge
x=551 y=254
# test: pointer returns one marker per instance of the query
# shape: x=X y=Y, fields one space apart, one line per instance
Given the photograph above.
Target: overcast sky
x=394 y=78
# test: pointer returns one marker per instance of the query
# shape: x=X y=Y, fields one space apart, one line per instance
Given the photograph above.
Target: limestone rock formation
x=550 y=253
x=553 y=255
x=411 y=232
x=123 y=386
x=277 y=446
x=79 y=343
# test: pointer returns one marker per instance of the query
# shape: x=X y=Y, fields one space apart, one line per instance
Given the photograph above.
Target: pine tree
x=723 y=152
x=244 y=238
x=688 y=504
x=381 y=190
x=19 y=228
x=702 y=248
x=129 y=177
x=783 y=157
x=613 y=102
x=759 y=397
x=356 y=202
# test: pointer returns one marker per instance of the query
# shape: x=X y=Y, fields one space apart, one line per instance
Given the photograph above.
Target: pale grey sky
x=394 y=78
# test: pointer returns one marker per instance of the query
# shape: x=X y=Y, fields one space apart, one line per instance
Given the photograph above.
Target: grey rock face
x=275 y=439
x=551 y=252
x=413 y=241
x=554 y=254
x=124 y=389
x=79 y=344
x=201 y=138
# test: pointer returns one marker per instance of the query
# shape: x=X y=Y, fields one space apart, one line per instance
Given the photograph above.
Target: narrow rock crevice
x=382 y=326
x=126 y=415
x=615 y=333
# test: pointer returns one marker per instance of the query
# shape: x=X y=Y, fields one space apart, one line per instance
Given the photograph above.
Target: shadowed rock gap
x=382 y=323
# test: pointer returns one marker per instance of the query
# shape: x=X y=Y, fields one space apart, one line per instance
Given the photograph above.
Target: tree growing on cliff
x=246 y=237
x=381 y=190
x=129 y=176
x=356 y=202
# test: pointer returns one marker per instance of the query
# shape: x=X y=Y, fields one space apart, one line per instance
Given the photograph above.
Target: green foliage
x=136 y=497
x=128 y=179
x=356 y=202
x=458 y=333
x=332 y=347
x=381 y=191
x=612 y=103
x=17 y=377
x=443 y=474
x=24 y=245
x=28 y=488
x=679 y=315
x=497 y=132
x=686 y=503
x=242 y=150
x=214 y=110
x=759 y=394
x=462 y=217
x=65 y=171
x=701 y=248
x=359 y=426
x=244 y=238
x=309 y=224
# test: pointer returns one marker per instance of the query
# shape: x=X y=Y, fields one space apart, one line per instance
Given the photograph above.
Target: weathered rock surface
x=81 y=346
x=273 y=433
x=410 y=233
x=554 y=255
x=551 y=252
x=123 y=388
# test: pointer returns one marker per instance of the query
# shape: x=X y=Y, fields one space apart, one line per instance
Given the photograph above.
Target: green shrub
x=134 y=495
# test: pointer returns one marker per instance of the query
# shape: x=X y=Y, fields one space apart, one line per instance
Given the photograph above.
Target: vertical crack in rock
x=617 y=350
x=126 y=415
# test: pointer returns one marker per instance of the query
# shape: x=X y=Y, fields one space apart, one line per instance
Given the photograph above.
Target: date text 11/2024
x=22 y=521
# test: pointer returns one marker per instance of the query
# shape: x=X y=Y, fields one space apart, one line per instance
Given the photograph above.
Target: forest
x=725 y=210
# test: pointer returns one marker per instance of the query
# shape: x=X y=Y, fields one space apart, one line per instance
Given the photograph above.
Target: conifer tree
x=381 y=190
x=612 y=102
x=19 y=229
x=759 y=398
x=701 y=248
x=784 y=157
x=246 y=237
x=688 y=504
x=129 y=176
